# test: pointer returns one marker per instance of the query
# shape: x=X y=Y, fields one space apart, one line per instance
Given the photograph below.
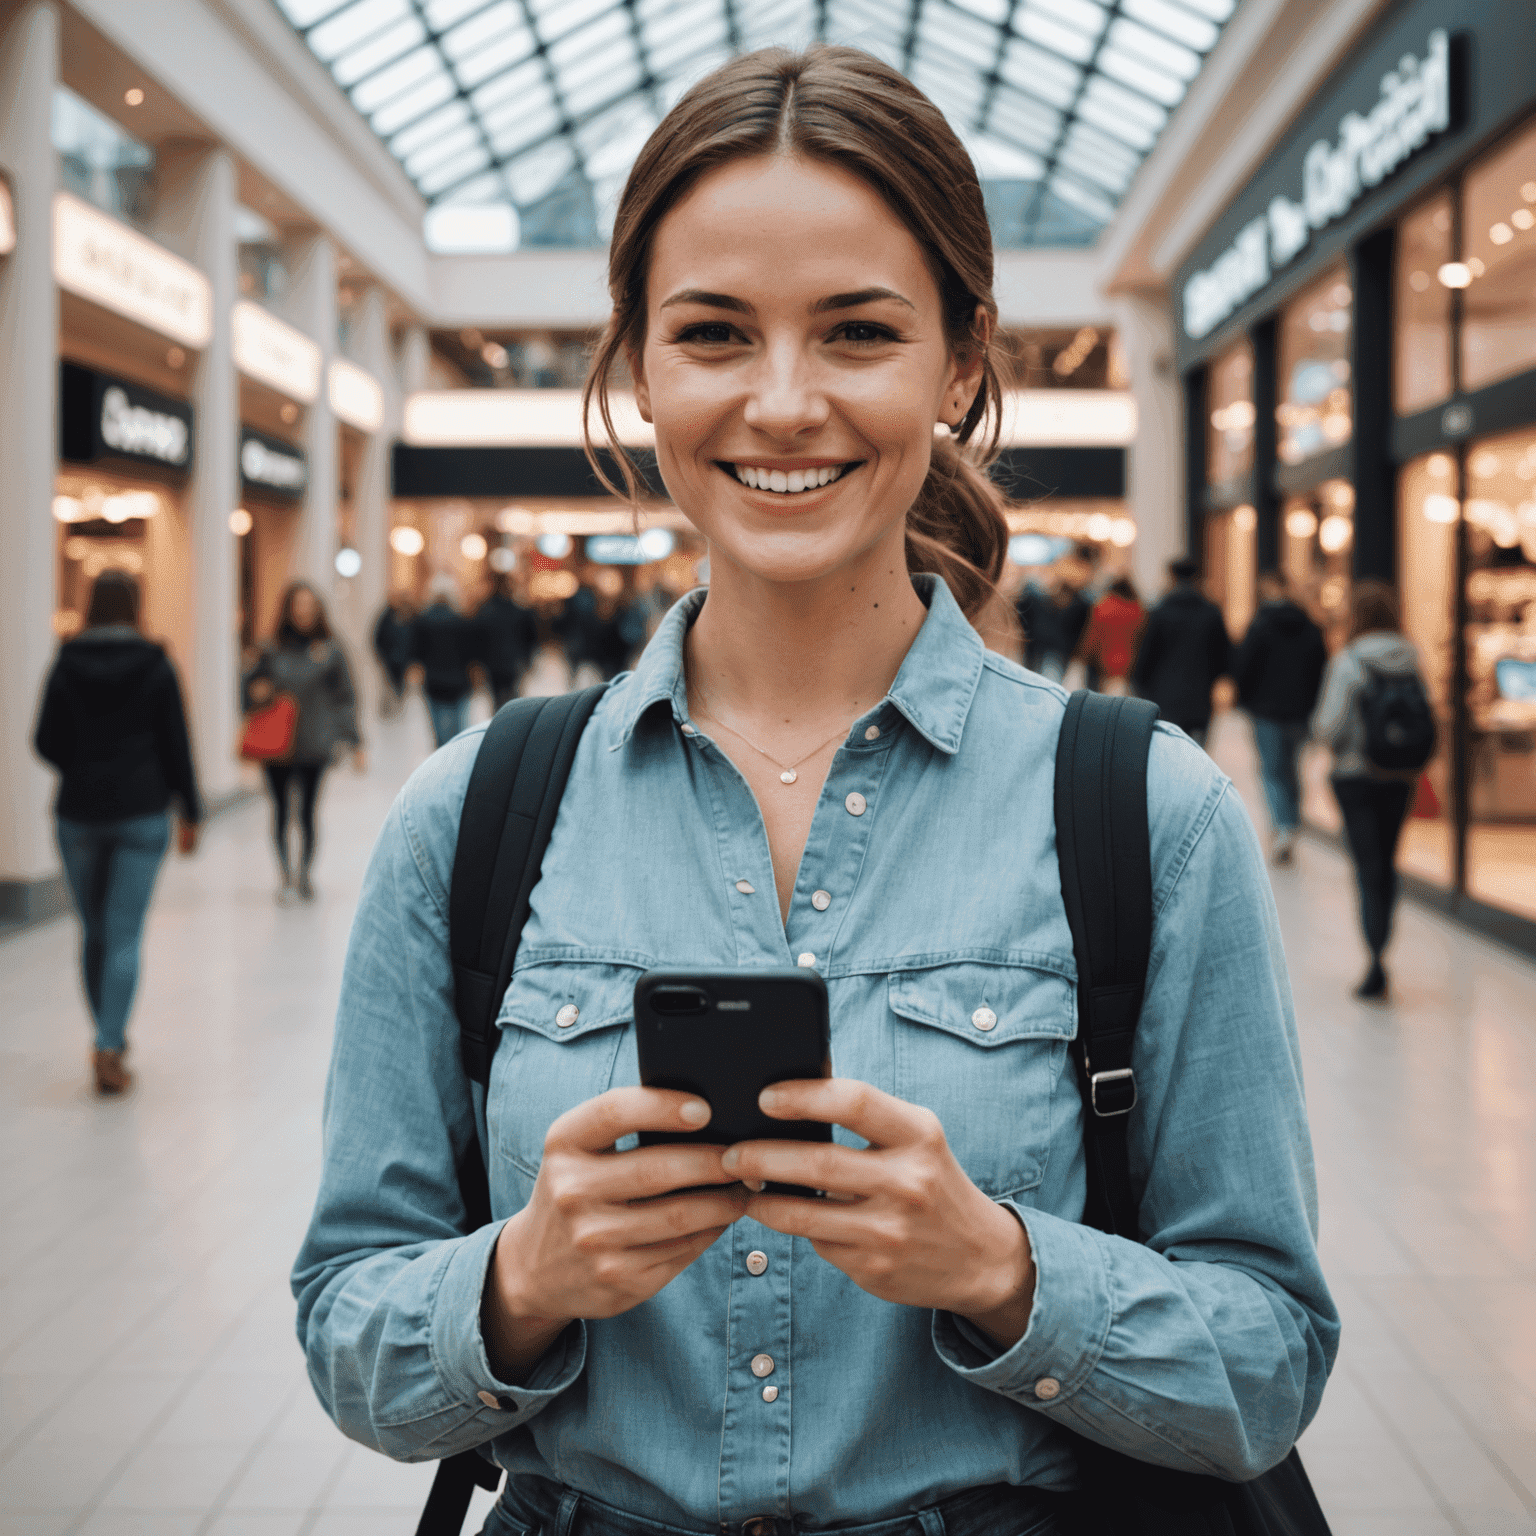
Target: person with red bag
x=302 y=663
x=1114 y=630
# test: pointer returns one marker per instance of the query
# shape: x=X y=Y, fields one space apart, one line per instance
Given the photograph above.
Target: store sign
x=103 y=260
x=7 y=218
x=1413 y=105
x=269 y=464
x=102 y=417
x=355 y=395
x=274 y=353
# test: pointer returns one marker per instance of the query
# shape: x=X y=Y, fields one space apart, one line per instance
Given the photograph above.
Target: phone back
x=725 y=1035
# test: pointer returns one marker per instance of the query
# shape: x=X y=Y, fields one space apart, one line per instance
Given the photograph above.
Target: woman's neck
x=797 y=657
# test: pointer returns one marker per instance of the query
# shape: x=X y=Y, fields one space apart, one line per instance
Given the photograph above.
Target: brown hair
x=1372 y=606
x=288 y=633
x=845 y=107
x=114 y=600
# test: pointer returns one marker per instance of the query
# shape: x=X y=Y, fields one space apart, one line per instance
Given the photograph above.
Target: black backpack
x=1399 y=723
x=1103 y=847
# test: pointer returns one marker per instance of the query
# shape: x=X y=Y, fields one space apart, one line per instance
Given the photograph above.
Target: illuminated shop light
x=1301 y=523
x=1419 y=281
x=274 y=353
x=1100 y=526
x=1335 y=534
x=514 y=418
x=355 y=395
x=103 y=260
x=516 y=520
x=1501 y=233
x=1068 y=418
x=134 y=96
x=240 y=522
x=1522 y=218
x=552 y=586
x=657 y=543
x=554 y=546
x=503 y=560
x=473 y=546
x=348 y=562
x=1441 y=509
x=1455 y=274
x=1245 y=519
x=7 y=219
x=1122 y=532
x=1441 y=465
x=68 y=509
x=405 y=540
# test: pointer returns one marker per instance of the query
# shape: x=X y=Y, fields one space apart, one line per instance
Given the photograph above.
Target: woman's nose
x=785 y=399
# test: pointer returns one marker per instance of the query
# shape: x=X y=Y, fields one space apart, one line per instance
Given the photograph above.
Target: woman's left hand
x=903 y=1221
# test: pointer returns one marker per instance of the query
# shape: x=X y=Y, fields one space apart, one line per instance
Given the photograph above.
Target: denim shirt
x=1206 y=1348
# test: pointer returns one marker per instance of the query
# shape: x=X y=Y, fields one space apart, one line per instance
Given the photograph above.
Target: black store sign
x=270 y=465
x=1408 y=105
x=101 y=417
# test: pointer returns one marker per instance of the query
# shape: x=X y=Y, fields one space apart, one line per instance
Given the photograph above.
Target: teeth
x=789 y=482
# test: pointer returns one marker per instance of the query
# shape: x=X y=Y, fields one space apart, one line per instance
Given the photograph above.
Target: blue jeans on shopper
x=1279 y=743
x=449 y=717
x=111 y=868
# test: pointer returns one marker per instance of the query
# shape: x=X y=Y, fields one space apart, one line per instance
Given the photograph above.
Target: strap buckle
x=1116 y=1083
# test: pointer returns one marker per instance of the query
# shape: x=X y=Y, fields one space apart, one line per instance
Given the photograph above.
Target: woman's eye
x=710 y=333
x=863 y=332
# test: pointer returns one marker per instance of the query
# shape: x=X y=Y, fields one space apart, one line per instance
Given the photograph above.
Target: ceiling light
x=1522 y=218
x=348 y=562
x=473 y=546
x=1455 y=274
x=1245 y=519
x=405 y=540
x=554 y=546
x=1301 y=523
x=1335 y=534
x=1501 y=234
x=240 y=522
x=134 y=96
x=503 y=560
x=1441 y=509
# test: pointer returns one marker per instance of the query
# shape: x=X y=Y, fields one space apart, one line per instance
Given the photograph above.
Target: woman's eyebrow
x=709 y=300
x=861 y=296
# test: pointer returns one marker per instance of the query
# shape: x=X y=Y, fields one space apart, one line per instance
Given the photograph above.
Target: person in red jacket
x=1113 y=633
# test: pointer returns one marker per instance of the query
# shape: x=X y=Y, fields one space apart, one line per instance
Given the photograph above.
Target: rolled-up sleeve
x=388 y=1286
x=1206 y=1347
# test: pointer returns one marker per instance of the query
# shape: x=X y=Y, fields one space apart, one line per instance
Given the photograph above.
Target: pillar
x=1155 y=470
x=310 y=304
x=196 y=195
x=1375 y=478
x=1266 y=494
x=30 y=885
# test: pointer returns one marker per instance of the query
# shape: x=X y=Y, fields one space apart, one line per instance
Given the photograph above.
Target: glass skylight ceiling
x=519 y=119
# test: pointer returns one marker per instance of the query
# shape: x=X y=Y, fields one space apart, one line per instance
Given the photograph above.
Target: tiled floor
x=150 y=1381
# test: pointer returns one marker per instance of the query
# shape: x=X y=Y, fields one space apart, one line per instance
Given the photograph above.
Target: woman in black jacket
x=112 y=723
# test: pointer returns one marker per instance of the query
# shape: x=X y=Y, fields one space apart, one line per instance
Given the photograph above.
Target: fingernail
x=769 y=1099
x=757 y=1186
x=729 y=1158
x=693 y=1112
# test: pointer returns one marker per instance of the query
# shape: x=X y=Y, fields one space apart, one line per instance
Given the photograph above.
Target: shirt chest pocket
x=563 y=1028
x=984 y=1046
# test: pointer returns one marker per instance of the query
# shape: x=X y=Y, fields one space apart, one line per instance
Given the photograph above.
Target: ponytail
x=956 y=528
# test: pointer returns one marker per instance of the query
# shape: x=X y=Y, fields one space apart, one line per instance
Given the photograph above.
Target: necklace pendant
x=788 y=776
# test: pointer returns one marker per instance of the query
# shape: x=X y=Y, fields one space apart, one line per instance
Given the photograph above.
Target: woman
x=816 y=761
x=1372 y=801
x=112 y=723
x=302 y=659
x=1114 y=630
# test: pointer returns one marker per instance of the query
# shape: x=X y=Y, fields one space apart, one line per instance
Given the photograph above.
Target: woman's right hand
x=603 y=1231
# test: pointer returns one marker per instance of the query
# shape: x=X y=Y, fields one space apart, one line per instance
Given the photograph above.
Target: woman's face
x=304 y=610
x=794 y=366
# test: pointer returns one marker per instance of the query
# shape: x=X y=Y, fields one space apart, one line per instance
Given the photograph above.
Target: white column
x=415 y=357
x=195 y=216
x=310 y=304
x=29 y=388
x=1155 y=463
x=370 y=493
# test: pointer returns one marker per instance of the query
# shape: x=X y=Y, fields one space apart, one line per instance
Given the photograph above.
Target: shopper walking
x=1052 y=617
x=1373 y=800
x=392 y=646
x=1110 y=640
x=507 y=635
x=816 y=761
x=443 y=644
x=1184 y=649
x=112 y=723
x=1278 y=669
x=304 y=661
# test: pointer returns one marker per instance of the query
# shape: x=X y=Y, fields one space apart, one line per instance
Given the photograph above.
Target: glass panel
x=1051 y=34
x=355 y=25
x=1501 y=671
x=100 y=161
x=1041 y=74
x=1141 y=76
x=1422 y=340
x=378 y=51
x=1315 y=412
x=1229 y=438
x=1426 y=545
x=1498 y=334
x=1158 y=52
x=389 y=83
x=1174 y=21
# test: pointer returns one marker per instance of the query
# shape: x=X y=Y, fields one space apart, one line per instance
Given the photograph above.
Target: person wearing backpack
x=1374 y=713
x=817 y=763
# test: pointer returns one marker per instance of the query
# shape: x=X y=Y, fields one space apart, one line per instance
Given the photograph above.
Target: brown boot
x=111 y=1075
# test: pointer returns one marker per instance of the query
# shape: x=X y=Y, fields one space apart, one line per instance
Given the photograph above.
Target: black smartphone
x=725 y=1035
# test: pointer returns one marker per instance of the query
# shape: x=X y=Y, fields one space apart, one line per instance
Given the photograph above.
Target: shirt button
x=855 y=803
x=984 y=1019
x=688 y=730
x=567 y=1015
x=821 y=900
x=872 y=733
x=757 y=1262
x=504 y=1403
x=1047 y=1388
x=746 y=888
x=762 y=1365
x=807 y=960
x=770 y=1394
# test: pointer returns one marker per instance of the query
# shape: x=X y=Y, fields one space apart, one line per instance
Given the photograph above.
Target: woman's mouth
x=789 y=482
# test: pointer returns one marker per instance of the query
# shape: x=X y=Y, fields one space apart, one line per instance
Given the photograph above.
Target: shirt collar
x=933 y=690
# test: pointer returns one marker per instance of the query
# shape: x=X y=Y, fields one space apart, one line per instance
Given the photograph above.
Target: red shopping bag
x=269 y=731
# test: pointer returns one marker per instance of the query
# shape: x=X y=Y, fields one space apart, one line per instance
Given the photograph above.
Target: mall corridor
x=150 y=1379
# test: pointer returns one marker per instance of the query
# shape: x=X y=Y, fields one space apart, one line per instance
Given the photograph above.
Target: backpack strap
x=509 y=812
x=1104 y=850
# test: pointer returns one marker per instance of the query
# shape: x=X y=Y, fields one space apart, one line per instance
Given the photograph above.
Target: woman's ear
x=642 y=389
x=966 y=371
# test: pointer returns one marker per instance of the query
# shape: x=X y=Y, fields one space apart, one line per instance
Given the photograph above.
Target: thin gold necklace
x=787 y=774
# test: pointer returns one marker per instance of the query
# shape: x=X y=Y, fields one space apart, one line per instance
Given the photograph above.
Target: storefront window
x=1230 y=566
x=1317 y=536
x=100 y=161
x=1229 y=438
x=1427 y=514
x=1425 y=243
x=1315 y=413
x=1498 y=334
x=1501 y=671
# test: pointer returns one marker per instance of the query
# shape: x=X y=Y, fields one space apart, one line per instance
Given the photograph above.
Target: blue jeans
x=1279 y=743
x=449 y=717
x=111 y=867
